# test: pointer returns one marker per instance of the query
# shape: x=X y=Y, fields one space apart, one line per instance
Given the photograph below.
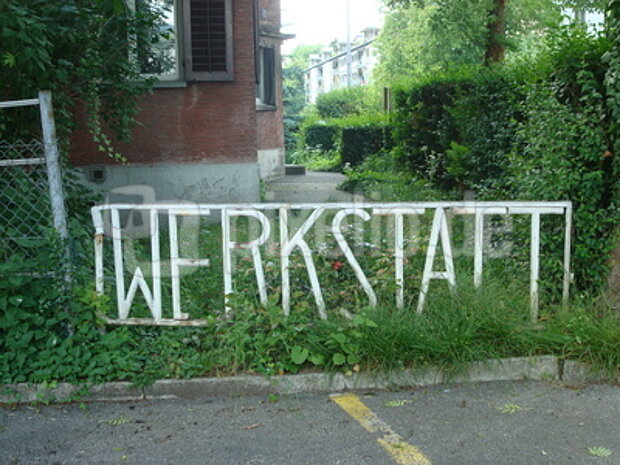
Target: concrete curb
x=512 y=369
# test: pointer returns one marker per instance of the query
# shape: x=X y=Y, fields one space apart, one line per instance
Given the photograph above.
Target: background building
x=328 y=70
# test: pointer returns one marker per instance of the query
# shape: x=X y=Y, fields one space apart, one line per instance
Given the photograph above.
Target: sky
x=321 y=21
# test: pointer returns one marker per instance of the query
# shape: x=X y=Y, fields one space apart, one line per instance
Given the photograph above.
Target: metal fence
x=31 y=193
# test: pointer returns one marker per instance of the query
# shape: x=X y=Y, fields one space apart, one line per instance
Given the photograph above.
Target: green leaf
x=299 y=355
x=317 y=359
x=8 y=60
x=339 y=359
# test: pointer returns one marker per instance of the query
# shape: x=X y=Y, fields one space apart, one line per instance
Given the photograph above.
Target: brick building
x=213 y=125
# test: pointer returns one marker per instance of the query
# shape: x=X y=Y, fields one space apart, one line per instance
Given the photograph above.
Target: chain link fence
x=31 y=195
x=25 y=208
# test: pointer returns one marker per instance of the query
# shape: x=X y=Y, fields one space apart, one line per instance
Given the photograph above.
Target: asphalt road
x=502 y=423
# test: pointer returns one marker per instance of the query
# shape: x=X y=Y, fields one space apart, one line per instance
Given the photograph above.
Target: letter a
x=440 y=226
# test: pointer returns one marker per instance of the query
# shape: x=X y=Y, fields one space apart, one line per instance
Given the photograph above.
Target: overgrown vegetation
x=542 y=126
x=87 y=51
x=52 y=336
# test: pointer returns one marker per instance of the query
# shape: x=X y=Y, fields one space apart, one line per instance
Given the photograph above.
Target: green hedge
x=457 y=129
x=319 y=135
x=354 y=138
x=359 y=141
x=541 y=130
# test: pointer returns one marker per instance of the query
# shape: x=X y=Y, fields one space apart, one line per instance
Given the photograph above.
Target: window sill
x=263 y=107
x=169 y=85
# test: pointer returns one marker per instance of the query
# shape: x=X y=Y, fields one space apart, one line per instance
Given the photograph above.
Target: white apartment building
x=328 y=70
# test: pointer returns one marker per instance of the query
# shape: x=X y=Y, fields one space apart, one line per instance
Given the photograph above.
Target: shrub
x=320 y=134
x=475 y=110
x=341 y=102
x=363 y=137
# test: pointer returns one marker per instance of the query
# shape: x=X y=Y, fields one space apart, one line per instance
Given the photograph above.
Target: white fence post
x=52 y=162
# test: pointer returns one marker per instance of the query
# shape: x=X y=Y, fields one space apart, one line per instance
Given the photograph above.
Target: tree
x=421 y=36
x=82 y=50
x=294 y=89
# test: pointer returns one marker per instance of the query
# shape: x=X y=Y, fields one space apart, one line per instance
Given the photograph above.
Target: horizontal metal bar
x=153 y=322
x=546 y=209
x=514 y=206
x=20 y=103
x=23 y=162
x=192 y=262
x=542 y=210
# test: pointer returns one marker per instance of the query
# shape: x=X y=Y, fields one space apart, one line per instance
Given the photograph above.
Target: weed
x=117 y=421
x=599 y=451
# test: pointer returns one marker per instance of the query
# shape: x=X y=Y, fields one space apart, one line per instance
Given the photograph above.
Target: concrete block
x=512 y=369
x=65 y=392
x=209 y=387
x=309 y=382
x=577 y=373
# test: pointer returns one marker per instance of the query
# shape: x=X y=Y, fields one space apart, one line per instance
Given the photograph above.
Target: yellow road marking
x=394 y=444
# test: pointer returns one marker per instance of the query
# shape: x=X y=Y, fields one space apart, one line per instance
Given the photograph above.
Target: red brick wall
x=270 y=127
x=270 y=13
x=207 y=121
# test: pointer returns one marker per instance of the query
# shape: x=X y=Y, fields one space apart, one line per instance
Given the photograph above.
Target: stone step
x=294 y=170
x=312 y=187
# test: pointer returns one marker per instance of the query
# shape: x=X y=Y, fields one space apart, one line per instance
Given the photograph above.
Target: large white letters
x=289 y=240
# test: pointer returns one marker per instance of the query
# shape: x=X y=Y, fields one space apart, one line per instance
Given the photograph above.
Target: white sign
x=291 y=239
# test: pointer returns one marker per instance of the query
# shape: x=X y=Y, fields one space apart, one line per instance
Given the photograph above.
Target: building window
x=157 y=51
x=208 y=38
x=197 y=40
x=266 y=85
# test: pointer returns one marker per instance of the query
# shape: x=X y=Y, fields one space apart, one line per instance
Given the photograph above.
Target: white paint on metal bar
x=568 y=230
x=22 y=162
x=286 y=247
x=99 y=263
x=124 y=301
x=156 y=264
x=346 y=250
x=399 y=245
x=534 y=265
x=176 y=262
x=98 y=246
x=439 y=229
x=253 y=246
x=478 y=247
x=52 y=159
x=290 y=240
x=507 y=207
x=32 y=102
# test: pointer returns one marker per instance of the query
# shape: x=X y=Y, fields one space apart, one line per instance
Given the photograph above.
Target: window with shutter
x=196 y=33
x=208 y=40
